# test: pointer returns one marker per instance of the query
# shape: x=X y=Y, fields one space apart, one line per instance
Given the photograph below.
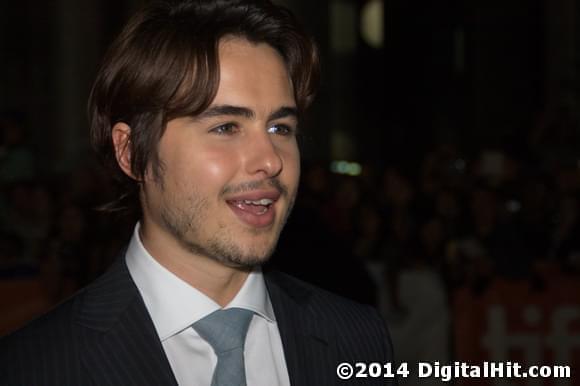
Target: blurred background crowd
x=467 y=219
x=430 y=173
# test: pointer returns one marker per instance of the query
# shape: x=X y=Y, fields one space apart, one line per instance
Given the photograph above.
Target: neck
x=219 y=282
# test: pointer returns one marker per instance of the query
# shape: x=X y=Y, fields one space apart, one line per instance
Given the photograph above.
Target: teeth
x=263 y=201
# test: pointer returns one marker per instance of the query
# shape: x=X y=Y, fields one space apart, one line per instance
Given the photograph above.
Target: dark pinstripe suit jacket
x=105 y=336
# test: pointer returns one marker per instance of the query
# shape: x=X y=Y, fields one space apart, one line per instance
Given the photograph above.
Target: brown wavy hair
x=165 y=65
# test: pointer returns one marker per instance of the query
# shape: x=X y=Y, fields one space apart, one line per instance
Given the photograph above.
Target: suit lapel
x=116 y=334
x=309 y=348
x=120 y=346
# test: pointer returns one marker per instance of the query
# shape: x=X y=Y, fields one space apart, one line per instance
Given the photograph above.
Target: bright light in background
x=342 y=26
x=346 y=167
x=372 y=23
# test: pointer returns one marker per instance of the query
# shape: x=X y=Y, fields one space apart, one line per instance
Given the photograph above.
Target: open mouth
x=256 y=207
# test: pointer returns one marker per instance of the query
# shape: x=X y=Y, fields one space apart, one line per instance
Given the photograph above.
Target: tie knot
x=225 y=330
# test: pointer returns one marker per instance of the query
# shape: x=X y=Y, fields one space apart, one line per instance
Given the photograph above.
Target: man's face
x=228 y=177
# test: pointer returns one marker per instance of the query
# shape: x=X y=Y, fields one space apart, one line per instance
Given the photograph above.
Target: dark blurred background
x=441 y=171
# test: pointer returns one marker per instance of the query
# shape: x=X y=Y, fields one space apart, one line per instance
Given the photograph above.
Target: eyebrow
x=221 y=110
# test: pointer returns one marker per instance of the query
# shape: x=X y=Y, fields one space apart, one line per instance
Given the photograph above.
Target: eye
x=225 y=129
x=281 y=129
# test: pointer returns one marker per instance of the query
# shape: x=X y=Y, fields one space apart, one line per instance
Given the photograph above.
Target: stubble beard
x=184 y=220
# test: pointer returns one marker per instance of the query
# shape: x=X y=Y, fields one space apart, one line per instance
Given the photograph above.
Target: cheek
x=213 y=168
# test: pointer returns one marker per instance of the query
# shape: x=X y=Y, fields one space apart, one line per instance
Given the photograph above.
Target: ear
x=121 y=134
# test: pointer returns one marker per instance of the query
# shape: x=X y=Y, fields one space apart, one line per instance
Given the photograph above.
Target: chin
x=240 y=255
x=248 y=262
x=258 y=256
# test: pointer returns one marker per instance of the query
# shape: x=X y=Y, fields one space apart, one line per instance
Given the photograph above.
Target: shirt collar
x=174 y=305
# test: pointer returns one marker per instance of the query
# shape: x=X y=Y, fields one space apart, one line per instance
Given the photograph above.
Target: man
x=196 y=110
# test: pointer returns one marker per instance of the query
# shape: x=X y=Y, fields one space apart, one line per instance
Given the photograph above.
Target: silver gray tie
x=225 y=331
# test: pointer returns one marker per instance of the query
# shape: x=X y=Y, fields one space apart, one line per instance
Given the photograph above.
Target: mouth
x=255 y=209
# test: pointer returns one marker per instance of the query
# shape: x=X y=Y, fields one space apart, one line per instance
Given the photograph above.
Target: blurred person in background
x=309 y=228
x=17 y=160
x=29 y=214
x=565 y=239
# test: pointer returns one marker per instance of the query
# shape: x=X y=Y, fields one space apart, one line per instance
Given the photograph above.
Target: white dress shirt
x=174 y=306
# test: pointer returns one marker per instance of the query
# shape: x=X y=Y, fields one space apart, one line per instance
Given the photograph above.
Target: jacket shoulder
x=38 y=347
x=357 y=327
x=319 y=299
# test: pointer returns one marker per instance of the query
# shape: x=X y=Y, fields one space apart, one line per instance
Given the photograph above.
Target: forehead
x=252 y=73
x=236 y=47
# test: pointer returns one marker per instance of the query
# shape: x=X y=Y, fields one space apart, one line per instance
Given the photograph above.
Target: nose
x=262 y=156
